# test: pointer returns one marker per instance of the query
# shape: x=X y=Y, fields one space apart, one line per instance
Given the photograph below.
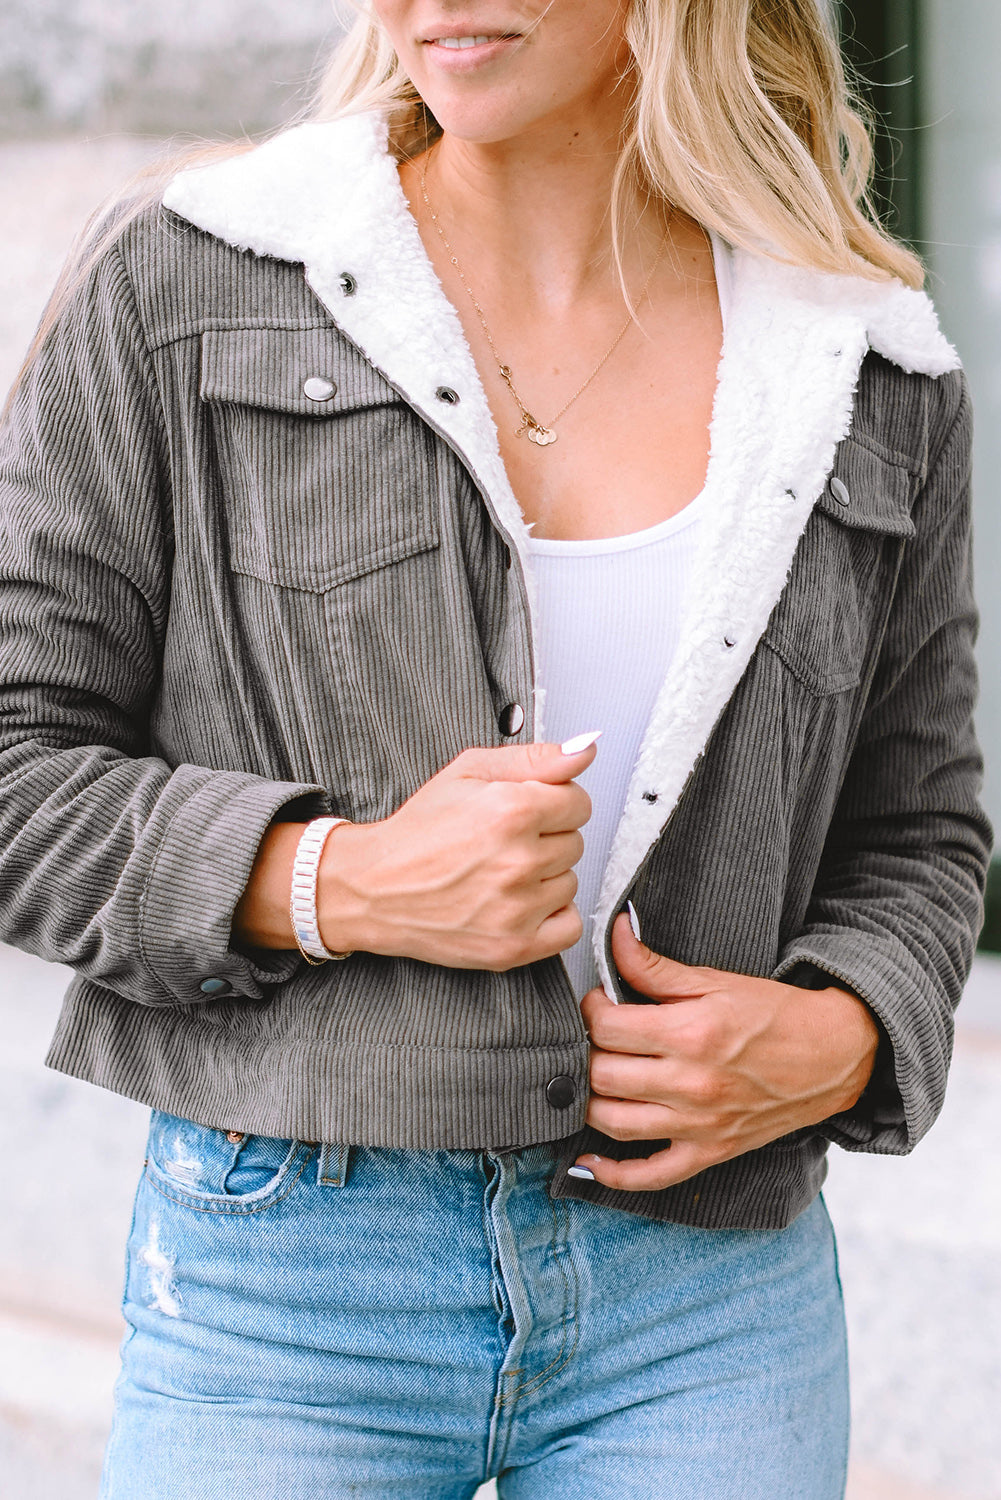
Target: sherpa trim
x=329 y=196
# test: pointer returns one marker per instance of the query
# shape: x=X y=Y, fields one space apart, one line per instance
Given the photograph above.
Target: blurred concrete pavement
x=920 y=1255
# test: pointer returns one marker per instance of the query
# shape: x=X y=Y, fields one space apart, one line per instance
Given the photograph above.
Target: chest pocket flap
x=305 y=372
x=833 y=609
x=868 y=491
x=326 y=474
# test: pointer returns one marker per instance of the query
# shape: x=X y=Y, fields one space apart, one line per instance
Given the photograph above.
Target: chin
x=477 y=127
x=486 y=118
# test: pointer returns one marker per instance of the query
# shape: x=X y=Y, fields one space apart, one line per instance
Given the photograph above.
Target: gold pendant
x=541 y=436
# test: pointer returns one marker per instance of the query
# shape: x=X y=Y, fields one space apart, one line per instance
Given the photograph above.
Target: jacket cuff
x=196 y=880
x=907 y=1087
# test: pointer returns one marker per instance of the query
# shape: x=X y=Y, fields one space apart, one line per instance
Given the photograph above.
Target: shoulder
x=288 y=197
x=909 y=416
x=185 y=281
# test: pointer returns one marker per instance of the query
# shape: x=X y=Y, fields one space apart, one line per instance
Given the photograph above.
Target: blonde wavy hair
x=741 y=117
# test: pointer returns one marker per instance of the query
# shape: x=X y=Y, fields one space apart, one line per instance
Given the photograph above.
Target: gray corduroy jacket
x=223 y=602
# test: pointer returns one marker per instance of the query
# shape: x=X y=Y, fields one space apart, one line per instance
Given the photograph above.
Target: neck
x=537 y=214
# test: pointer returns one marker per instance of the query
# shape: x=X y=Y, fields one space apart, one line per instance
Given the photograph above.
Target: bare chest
x=632 y=448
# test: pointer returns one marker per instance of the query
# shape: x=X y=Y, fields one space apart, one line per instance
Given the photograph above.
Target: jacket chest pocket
x=326 y=474
x=834 y=606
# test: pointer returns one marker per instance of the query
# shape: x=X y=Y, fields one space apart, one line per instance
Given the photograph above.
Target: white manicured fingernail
x=581 y=742
x=582 y=1173
x=634 y=921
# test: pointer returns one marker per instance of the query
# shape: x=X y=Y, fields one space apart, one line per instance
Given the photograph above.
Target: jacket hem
x=352 y=1093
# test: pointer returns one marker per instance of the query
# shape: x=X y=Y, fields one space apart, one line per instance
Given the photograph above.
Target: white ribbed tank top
x=608 y=618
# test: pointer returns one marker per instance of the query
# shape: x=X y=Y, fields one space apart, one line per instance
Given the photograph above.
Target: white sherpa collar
x=329 y=196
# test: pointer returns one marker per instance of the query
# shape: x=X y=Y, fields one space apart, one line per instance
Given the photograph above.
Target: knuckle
x=515 y=868
x=697 y=1037
x=509 y=919
x=507 y=806
x=602 y=1073
x=575 y=926
x=472 y=762
x=600 y=1029
x=538 y=755
x=702 y=1088
x=519 y=951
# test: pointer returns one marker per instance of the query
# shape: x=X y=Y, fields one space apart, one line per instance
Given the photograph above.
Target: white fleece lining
x=329 y=196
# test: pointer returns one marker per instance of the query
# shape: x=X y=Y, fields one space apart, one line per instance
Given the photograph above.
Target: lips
x=464 y=41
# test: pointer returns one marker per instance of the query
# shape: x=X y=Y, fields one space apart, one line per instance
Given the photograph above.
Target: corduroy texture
x=223 y=601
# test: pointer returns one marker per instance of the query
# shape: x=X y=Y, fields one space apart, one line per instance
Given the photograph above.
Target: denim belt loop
x=332 y=1170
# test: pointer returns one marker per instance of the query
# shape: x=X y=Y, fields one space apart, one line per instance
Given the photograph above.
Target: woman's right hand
x=475 y=871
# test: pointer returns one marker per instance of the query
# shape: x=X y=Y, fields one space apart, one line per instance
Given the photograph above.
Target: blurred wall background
x=193 y=65
x=930 y=68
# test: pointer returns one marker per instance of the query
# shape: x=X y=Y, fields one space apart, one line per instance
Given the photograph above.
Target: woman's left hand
x=721 y=1065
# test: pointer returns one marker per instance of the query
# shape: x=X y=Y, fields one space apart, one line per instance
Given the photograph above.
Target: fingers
x=676 y=1163
x=654 y=974
x=656 y=1080
x=558 y=892
x=562 y=809
x=646 y=1030
x=559 y=932
x=537 y=762
x=559 y=852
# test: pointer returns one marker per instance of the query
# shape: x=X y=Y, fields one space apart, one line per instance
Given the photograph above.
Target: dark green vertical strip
x=882 y=42
x=990 y=938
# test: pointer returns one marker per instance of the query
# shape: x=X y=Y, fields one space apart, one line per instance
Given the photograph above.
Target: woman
x=346 y=497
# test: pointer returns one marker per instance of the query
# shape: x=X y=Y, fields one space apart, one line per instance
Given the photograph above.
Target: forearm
x=263 y=917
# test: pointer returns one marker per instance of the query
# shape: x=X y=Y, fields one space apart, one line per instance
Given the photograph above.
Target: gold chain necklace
x=539 y=433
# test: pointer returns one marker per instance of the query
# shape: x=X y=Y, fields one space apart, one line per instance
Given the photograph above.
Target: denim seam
x=235 y=1208
x=570 y=1300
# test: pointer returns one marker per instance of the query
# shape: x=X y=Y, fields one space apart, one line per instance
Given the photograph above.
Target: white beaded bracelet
x=302 y=905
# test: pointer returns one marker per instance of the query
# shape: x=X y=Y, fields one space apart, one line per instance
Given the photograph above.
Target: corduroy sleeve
x=111 y=860
x=897 y=904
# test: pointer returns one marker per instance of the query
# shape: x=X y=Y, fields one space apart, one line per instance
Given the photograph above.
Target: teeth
x=464 y=41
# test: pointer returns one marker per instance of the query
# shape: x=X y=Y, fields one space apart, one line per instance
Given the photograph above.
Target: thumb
x=650 y=973
x=537 y=762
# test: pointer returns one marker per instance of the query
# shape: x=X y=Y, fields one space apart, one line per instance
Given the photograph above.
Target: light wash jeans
x=309 y=1322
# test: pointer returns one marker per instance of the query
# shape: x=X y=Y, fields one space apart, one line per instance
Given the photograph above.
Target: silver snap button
x=840 y=492
x=215 y=987
x=317 y=388
x=511 y=720
x=445 y=393
x=348 y=284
